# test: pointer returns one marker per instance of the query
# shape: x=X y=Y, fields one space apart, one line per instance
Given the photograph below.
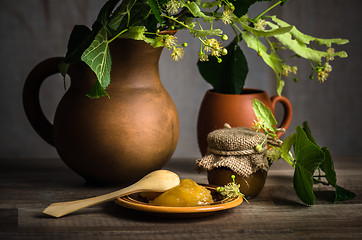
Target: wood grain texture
x=28 y=186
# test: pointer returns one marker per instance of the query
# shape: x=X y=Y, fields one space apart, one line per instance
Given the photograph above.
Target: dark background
x=33 y=30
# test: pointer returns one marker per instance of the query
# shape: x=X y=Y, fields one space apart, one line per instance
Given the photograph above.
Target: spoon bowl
x=157 y=181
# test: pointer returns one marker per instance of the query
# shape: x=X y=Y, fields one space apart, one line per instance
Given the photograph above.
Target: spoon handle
x=63 y=208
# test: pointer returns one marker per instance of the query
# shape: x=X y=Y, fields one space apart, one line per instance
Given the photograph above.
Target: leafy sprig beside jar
x=308 y=159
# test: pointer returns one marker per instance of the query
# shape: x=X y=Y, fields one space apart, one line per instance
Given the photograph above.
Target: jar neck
x=134 y=52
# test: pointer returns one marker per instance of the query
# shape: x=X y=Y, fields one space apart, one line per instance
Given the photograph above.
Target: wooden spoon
x=157 y=181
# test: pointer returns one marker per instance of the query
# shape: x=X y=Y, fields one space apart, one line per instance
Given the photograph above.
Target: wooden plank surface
x=28 y=186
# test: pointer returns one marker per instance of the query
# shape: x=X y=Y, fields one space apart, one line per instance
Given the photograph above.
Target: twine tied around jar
x=236 y=149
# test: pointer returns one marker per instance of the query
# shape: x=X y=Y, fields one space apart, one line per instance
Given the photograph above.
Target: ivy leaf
x=265 y=114
x=195 y=10
x=132 y=13
x=307 y=153
x=106 y=11
x=228 y=76
x=63 y=69
x=272 y=59
x=140 y=14
x=80 y=39
x=327 y=167
x=308 y=132
x=297 y=42
x=242 y=6
x=266 y=32
x=136 y=33
x=343 y=194
x=155 y=42
x=304 y=38
x=97 y=91
x=303 y=184
x=286 y=147
x=97 y=57
x=308 y=158
x=119 y=14
x=155 y=10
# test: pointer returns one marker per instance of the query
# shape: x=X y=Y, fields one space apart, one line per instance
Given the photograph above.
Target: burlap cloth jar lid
x=234 y=148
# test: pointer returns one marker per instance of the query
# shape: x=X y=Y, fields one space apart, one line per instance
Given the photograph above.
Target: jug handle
x=31 y=100
x=288 y=111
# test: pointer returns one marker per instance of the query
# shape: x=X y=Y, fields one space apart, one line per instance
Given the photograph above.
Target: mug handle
x=288 y=111
x=31 y=101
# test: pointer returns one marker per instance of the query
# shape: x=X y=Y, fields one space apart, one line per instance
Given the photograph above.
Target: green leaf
x=272 y=59
x=141 y=15
x=106 y=11
x=304 y=38
x=136 y=33
x=307 y=154
x=265 y=33
x=280 y=85
x=156 y=10
x=63 y=68
x=118 y=15
x=327 y=167
x=303 y=184
x=79 y=40
x=195 y=10
x=308 y=132
x=308 y=158
x=132 y=13
x=155 y=42
x=265 y=114
x=98 y=58
x=286 y=147
x=97 y=91
x=228 y=76
x=297 y=42
x=343 y=194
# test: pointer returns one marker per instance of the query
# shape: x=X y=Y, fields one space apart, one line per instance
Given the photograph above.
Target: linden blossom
x=144 y=19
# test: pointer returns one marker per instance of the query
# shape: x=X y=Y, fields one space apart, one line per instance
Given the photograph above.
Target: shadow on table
x=280 y=191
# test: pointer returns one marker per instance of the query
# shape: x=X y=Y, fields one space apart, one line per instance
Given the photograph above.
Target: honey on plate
x=187 y=194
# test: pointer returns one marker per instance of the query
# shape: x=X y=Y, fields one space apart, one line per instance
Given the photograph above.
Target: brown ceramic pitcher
x=116 y=139
x=237 y=110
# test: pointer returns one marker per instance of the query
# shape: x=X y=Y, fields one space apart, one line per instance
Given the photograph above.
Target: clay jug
x=237 y=110
x=109 y=140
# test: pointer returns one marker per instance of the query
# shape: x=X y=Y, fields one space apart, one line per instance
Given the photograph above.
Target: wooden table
x=27 y=186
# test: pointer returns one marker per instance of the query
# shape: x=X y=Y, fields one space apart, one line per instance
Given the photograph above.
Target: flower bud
x=224 y=51
x=232 y=7
x=259 y=148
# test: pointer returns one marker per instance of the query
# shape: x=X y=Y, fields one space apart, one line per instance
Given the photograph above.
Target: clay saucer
x=136 y=202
